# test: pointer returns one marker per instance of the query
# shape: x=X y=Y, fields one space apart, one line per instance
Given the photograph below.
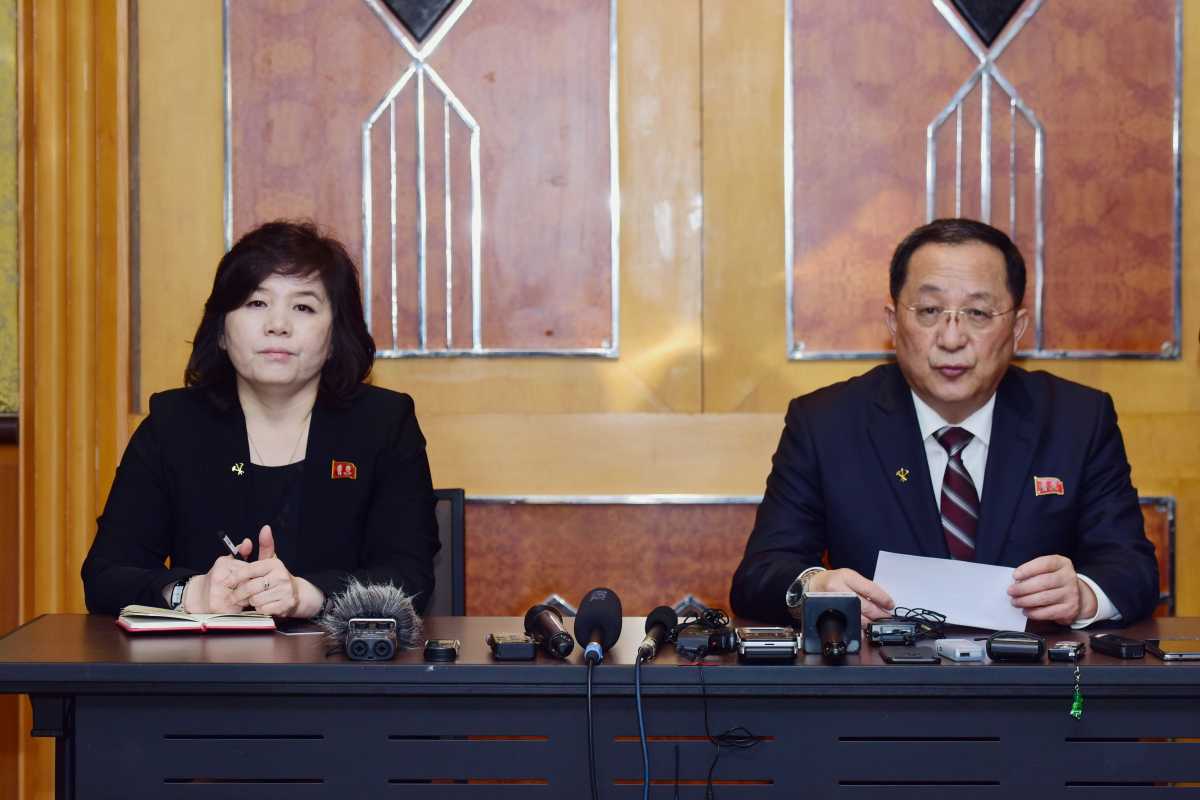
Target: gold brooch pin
x=239 y=469
x=902 y=474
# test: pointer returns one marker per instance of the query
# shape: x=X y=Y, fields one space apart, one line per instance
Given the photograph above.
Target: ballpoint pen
x=233 y=550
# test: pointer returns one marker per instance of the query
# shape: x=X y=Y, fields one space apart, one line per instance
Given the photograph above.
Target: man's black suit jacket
x=834 y=487
x=185 y=476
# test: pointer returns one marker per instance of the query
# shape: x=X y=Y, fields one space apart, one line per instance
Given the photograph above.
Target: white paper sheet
x=966 y=592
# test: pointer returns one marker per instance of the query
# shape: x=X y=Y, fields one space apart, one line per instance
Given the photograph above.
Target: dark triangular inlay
x=986 y=17
x=419 y=16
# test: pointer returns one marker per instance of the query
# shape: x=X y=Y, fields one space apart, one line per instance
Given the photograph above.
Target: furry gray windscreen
x=378 y=600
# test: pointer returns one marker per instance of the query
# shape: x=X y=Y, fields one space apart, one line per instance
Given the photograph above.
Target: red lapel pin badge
x=343 y=469
x=1043 y=486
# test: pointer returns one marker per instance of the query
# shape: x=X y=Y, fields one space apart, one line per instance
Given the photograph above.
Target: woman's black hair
x=295 y=249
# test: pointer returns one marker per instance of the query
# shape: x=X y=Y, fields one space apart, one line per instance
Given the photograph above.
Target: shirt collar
x=979 y=424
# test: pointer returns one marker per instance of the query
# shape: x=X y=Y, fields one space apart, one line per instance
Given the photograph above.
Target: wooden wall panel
x=9 y=223
x=518 y=554
x=868 y=78
x=73 y=309
x=1100 y=78
x=536 y=76
x=532 y=77
x=650 y=555
x=181 y=183
x=297 y=112
x=564 y=426
x=181 y=124
x=10 y=555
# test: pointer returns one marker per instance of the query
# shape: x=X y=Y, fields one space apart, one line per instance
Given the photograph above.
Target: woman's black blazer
x=185 y=478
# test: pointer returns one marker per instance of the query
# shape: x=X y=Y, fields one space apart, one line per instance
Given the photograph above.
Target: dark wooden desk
x=267 y=716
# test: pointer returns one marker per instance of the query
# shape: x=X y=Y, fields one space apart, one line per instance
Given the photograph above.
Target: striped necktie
x=960 y=501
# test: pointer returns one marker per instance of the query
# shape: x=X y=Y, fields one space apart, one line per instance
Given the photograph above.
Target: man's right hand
x=876 y=603
x=213 y=592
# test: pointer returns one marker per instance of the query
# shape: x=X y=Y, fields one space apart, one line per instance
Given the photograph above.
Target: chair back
x=449 y=593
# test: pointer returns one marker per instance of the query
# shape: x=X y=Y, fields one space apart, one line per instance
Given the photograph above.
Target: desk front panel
x=480 y=745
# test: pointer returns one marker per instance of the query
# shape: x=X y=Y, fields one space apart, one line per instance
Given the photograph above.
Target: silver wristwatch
x=798 y=587
x=177 y=594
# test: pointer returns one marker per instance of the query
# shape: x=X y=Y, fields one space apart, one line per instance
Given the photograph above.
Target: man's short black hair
x=295 y=249
x=960 y=231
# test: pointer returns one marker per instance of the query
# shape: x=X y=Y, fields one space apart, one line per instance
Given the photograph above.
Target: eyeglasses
x=979 y=319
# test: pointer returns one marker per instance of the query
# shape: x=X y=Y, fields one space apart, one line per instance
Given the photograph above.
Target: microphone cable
x=738 y=737
x=930 y=624
x=710 y=618
x=591 y=735
x=637 y=693
x=675 y=795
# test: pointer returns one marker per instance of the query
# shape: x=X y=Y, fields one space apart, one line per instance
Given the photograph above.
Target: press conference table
x=266 y=716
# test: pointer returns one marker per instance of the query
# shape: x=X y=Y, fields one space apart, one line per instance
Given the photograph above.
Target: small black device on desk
x=1066 y=651
x=1117 y=646
x=906 y=626
x=696 y=640
x=371 y=639
x=512 y=646
x=892 y=631
x=1015 y=646
x=442 y=650
x=898 y=654
x=1175 y=649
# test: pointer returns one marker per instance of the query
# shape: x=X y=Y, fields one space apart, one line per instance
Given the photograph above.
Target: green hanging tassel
x=1077 y=704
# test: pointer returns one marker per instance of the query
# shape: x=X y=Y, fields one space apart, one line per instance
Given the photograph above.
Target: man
x=952 y=452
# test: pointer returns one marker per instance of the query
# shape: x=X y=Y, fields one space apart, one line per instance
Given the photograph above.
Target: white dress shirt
x=974 y=458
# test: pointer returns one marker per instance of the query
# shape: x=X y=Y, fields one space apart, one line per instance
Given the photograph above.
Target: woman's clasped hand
x=264 y=585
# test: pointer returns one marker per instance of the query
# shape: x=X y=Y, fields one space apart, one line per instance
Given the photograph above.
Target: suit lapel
x=896 y=438
x=1010 y=452
x=232 y=464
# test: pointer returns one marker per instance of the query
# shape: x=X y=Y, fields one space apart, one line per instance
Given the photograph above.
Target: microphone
x=371 y=621
x=658 y=625
x=598 y=623
x=831 y=624
x=544 y=624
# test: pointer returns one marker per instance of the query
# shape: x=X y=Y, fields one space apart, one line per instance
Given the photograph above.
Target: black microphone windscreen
x=375 y=601
x=532 y=614
x=599 y=611
x=663 y=615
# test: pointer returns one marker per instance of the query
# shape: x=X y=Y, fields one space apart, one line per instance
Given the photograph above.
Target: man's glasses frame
x=980 y=319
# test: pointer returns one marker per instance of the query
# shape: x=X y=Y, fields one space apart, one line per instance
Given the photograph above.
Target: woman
x=275 y=437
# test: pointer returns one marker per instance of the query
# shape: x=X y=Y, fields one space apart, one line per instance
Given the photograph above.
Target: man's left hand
x=1047 y=588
